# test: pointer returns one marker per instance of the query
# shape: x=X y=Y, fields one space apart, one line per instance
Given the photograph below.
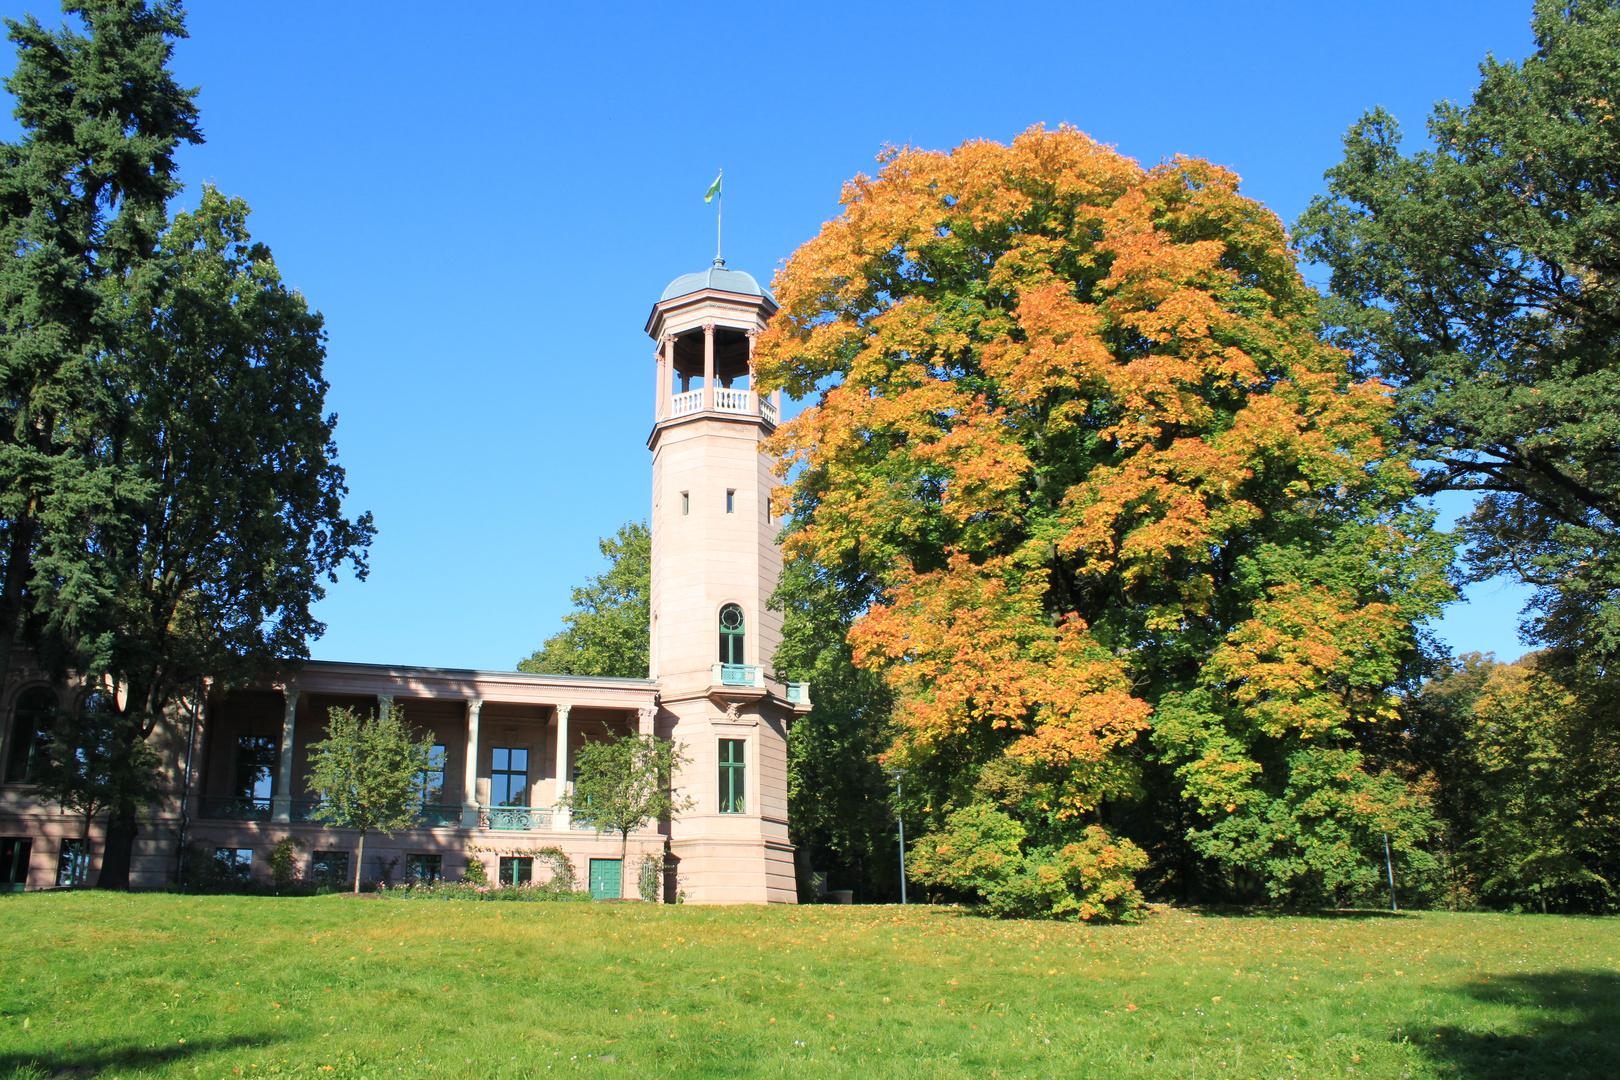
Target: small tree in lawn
x=625 y=783
x=366 y=774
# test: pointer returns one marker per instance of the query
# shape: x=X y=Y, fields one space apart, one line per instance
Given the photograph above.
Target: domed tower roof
x=716 y=277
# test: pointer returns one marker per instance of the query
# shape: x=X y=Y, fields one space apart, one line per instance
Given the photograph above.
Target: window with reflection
x=30 y=731
x=731 y=634
x=256 y=759
x=508 y=776
x=430 y=781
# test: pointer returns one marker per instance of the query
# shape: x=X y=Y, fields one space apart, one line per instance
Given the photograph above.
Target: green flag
x=714 y=188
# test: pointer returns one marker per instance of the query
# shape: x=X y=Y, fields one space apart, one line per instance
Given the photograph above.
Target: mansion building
x=505 y=742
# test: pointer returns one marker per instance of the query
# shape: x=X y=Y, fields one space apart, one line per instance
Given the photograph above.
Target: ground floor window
x=516 y=869
x=236 y=860
x=605 y=879
x=424 y=867
x=14 y=852
x=72 y=863
x=329 y=867
x=732 y=780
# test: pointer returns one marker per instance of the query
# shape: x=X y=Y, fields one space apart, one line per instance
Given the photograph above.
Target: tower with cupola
x=715 y=563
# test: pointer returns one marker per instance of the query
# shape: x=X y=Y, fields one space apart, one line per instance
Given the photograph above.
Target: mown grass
x=226 y=987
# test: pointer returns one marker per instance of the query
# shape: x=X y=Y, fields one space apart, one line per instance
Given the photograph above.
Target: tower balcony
x=726 y=400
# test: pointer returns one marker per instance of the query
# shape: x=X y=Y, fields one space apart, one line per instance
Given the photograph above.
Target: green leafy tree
x=607 y=632
x=1480 y=278
x=366 y=774
x=89 y=766
x=625 y=783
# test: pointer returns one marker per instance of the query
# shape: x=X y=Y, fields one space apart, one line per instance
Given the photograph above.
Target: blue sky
x=484 y=199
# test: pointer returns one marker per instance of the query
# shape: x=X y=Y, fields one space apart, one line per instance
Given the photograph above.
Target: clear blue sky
x=485 y=199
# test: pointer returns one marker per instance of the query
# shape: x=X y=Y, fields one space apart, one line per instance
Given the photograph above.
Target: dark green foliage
x=1480 y=278
x=90 y=765
x=607 y=632
x=625 y=783
x=840 y=813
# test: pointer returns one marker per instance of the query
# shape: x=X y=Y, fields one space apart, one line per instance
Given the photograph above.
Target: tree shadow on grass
x=94 y=1059
x=1568 y=1027
x=1234 y=911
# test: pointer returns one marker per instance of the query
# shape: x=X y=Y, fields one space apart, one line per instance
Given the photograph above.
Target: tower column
x=666 y=376
x=708 y=367
x=281 y=804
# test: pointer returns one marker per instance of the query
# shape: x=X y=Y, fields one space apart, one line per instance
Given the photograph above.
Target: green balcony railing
x=304 y=810
x=798 y=693
x=234 y=808
x=737 y=675
x=514 y=818
x=439 y=817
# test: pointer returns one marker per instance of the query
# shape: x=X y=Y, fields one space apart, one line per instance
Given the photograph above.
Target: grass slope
x=226 y=987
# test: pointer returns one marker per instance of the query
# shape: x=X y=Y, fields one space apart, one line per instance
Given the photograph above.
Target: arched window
x=731 y=634
x=30 y=731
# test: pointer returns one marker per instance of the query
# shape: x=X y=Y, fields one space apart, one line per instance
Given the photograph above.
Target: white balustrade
x=732 y=400
x=689 y=402
x=767 y=409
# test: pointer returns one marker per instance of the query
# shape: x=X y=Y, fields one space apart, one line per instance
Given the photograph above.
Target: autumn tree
x=1076 y=419
x=1479 y=278
x=607 y=633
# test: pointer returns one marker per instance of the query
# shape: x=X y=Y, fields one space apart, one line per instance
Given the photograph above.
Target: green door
x=604 y=879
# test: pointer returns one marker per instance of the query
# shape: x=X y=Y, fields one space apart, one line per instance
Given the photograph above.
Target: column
x=708 y=366
x=281 y=803
x=469 y=771
x=385 y=704
x=666 y=376
x=753 y=382
x=560 y=815
x=658 y=385
x=644 y=720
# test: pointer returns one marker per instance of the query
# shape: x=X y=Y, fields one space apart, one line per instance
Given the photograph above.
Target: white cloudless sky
x=485 y=199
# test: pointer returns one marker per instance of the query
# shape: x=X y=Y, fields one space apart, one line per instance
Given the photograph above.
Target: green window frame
x=330 y=867
x=732 y=635
x=733 y=777
x=516 y=870
x=424 y=868
x=236 y=860
x=72 y=864
x=30 y=731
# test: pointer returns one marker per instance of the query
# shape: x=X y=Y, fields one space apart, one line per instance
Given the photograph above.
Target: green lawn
x=221 y=987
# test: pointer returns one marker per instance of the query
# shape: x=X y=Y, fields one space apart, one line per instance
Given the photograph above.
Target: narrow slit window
x=733 y=777
x=731 y=501
x=686 y=502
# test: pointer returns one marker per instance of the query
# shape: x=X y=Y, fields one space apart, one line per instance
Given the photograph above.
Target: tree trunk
x=118 y=850
x=624 y=846
x=359 y=861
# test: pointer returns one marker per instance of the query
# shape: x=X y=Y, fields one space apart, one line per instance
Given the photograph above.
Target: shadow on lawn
x=1235 y=911
x=97 y=1058
x=1569 y=1026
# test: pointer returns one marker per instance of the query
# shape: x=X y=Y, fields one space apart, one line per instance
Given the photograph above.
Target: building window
x=430 y=782
x=329 y=867
x=424 y=867
x=235 y=860
x=72 y=864
x=31 y=731
x=516 y=869
x=256 y=757
x=731 y=501
x=14 y=852
x=508 y=777
x=731 y=634
x=686 y=502
x=732 y=776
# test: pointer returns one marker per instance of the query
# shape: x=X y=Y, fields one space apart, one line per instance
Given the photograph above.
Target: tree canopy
x=626 y=782
x=1479 y=277
x=607 y=632
x=1076 y=421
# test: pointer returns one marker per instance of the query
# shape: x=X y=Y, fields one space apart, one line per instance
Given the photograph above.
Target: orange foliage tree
x=1074 y=419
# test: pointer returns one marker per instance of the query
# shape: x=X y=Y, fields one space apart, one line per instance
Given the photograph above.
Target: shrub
x=476 y=873
x=981 y=852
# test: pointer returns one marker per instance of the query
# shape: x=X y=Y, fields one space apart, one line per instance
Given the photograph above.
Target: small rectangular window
x=14 y=852
x=329 y=867
x=238 y=861
x=686 y=502
x=509 y=776
x=516 y=869
x=731 y=501
x=732 y=777
x=424 y=867
x=72 y=864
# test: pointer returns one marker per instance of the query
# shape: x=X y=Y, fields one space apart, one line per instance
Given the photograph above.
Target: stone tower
x=715 y=563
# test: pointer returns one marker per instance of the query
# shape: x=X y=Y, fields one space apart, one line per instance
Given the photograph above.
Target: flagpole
x=719 y=214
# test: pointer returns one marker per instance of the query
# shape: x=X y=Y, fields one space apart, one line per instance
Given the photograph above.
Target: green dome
x=716 y=277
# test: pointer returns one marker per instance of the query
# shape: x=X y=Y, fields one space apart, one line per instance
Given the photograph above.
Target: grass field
x=227 y=987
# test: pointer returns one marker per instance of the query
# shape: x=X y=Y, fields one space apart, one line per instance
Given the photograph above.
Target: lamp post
x=899 y=794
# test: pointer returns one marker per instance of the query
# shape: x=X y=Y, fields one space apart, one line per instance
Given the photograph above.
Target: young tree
x=366 y=774
x=625 y=783
x=82 y=198
x=1075 y=419
x=607 y=632
x=1480 y=279
x=89 y=767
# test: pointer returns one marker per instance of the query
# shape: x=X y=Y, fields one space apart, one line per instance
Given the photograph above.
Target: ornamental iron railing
x=234 y=808
x=737 y=675
x=514 y=818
